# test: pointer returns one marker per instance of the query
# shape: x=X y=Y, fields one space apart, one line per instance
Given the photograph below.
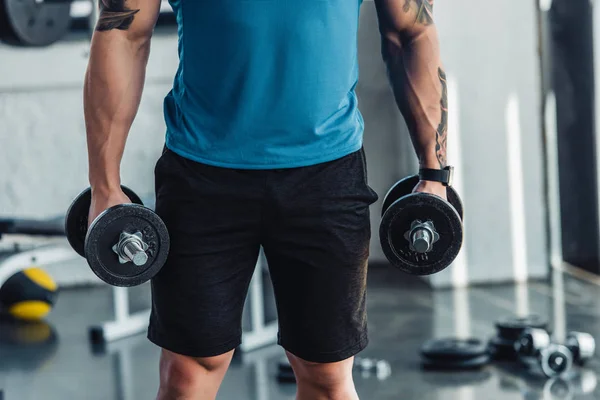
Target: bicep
x=136 y=17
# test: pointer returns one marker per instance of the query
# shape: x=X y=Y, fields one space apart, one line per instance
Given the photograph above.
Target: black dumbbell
x=420 y=233
x=509 y=329
x=582 y=345
x=536 y=350
x=126 y=245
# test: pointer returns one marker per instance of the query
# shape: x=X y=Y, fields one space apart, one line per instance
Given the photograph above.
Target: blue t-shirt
x=265 y=84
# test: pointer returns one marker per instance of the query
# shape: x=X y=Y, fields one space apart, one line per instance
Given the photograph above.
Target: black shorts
x=313 y=224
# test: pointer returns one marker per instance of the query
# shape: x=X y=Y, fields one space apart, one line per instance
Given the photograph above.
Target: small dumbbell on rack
x=535 y=349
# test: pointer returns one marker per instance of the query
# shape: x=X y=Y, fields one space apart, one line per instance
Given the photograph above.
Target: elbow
x=141 y=36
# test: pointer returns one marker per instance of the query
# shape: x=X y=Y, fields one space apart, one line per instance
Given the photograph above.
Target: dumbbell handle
x=132 y=248
x=421 y=240
x=135 y=253
x=422 y=236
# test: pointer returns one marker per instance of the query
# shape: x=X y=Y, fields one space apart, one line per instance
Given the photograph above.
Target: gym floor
x=403 y=313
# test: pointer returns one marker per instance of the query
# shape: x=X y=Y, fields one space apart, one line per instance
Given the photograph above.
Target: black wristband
x=443 y=176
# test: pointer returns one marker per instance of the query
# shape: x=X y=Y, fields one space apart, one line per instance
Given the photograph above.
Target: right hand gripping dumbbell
x=536 y=350
x=421 y=233
x=126 y=245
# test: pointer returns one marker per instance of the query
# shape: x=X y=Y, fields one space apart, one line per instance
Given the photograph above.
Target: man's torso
x=265 y=83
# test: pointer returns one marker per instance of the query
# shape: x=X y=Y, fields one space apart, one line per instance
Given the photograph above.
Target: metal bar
x=121 y=303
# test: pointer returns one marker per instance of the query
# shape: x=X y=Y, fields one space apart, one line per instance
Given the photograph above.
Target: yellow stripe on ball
x=30 y=310
x=41 y=277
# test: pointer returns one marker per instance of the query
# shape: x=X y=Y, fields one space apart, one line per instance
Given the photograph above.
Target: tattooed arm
x=410 y=50
x=113 y=88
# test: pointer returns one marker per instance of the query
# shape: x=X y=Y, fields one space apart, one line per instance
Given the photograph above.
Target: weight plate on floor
x=76 y=221
x=105 y=232
x=453 y=349
x=398 y=220
x=35 y=23
x=406 y=186
x=511 y=328
x=502 y=350
x=473 y=363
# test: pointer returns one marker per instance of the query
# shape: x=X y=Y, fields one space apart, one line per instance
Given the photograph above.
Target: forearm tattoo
x=423 y=8
x=114 y=15
x=442 y=131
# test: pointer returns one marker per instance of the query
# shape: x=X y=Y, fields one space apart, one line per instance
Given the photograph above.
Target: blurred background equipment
x=34 y=22
x=29 y=294
x=454 y=354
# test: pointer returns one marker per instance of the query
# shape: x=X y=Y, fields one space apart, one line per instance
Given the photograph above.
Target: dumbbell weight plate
x=457 y=365
x=406 y=186
x=76 y=222
x=502 y=350
x=582 y=345
x=453 y=349
x=33 y=22
x=105 y=232
x=556 y=360
x=510 y=328
x=397 y=221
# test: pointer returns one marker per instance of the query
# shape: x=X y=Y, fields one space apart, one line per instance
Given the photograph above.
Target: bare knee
x=185 y=376
x=329 y=379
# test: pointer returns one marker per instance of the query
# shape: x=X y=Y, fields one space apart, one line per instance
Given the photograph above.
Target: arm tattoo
x=424 y=9
x=441 y=135
x=114 y=15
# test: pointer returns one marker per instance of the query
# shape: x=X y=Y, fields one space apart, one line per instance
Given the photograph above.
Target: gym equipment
x=34 y=22
x=509 y=329
x=370 y=366
x=32 y=227
x=29 y=294
x=452 y=349
x=454 y=354
x=536 y=351
x=125 y=245
x=502 y=350
x=420 y=233
x=457 y=365
x=582 y=345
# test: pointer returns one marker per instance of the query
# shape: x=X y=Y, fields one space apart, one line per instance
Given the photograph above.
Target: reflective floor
x=55 y=361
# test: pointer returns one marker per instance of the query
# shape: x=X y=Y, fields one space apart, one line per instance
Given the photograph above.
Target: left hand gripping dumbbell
x=421 y=233
x=126 y=245
x=535 y=348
